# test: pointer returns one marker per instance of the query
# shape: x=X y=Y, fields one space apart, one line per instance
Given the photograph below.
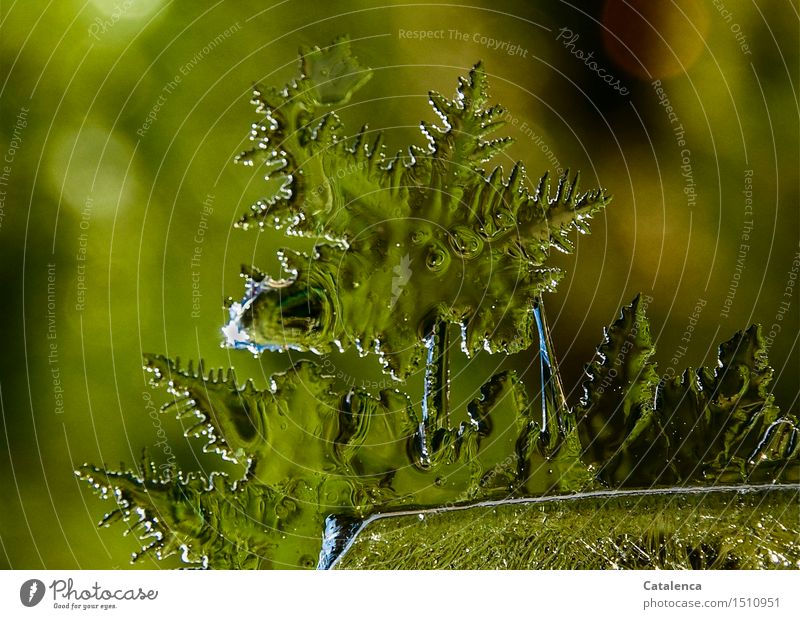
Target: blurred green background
x=115 y=174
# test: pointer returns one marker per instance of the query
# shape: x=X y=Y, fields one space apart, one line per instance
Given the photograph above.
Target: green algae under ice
x=718 y=528
x=406 y=248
